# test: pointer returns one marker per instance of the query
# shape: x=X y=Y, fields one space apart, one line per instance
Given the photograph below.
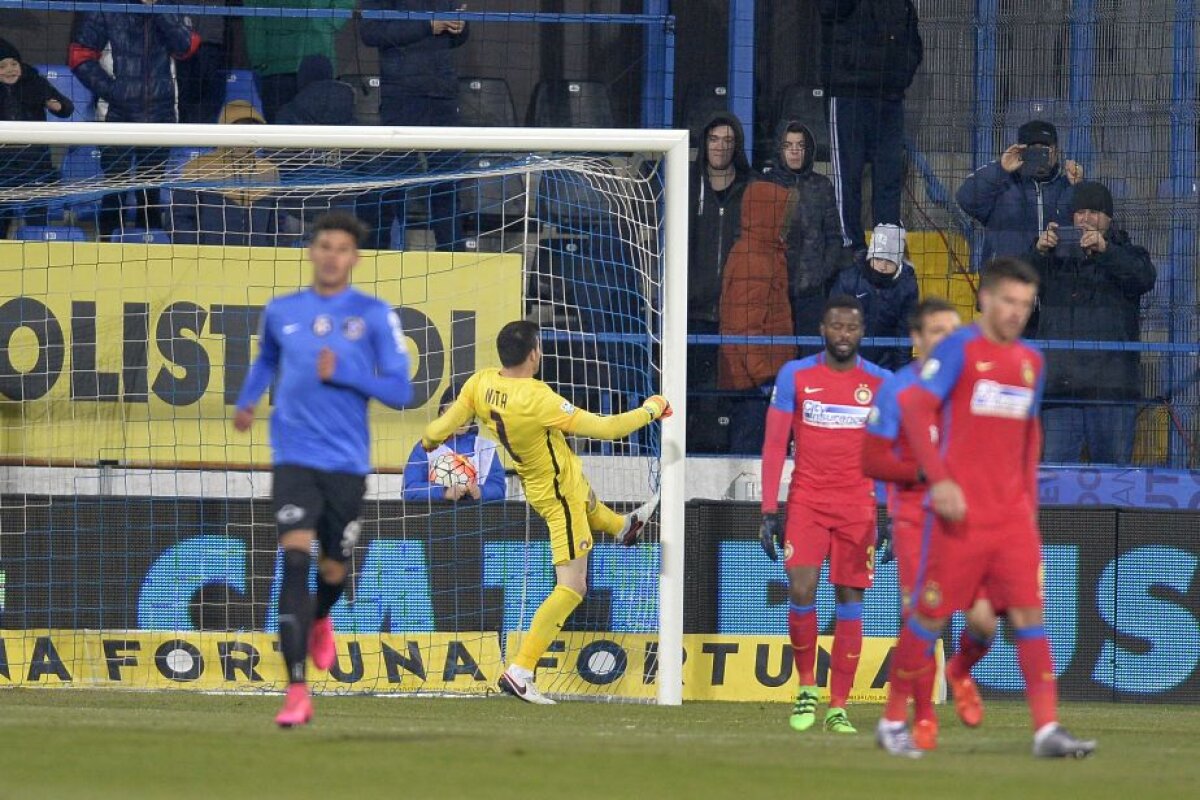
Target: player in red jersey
x=972 y=423
x=887 y=457
x=823 y=401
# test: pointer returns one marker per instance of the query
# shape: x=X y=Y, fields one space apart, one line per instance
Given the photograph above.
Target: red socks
x=847 y=647
x=1041 y=687
x=912 y=669
x=971 y=650
x=802 y=630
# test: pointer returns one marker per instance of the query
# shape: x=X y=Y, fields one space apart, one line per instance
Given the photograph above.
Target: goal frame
x=672 y=145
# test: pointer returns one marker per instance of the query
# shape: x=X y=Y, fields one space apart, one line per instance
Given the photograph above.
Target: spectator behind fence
x=418 y=86
x=489 y=483
x=245 y=211
x=1092 y=282
x=277 y=45
x=754 y=302
x=135 y=82
x=1016 y=196
x=320 y=100
x=202 y=77
x=886 y=285
x=870 y=54
x=718 y=180
x=814 y=244
x=25 y=96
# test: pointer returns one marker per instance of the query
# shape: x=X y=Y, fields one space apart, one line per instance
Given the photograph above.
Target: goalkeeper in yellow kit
x=529 y=419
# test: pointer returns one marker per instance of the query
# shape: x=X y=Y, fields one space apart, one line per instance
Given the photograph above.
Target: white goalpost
x=134 y=549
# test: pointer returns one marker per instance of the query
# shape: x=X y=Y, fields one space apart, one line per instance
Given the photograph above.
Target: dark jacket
x=714 y=223
x=814 y=237
x=754 y=297
x=1013 y=210
x=205 y=217
x=870 y=48
x=320 y=100
x=25 y=101
x=418 y=487
x=141 y=87
x=887 y=301
x=412 y=61
x=1098 y=298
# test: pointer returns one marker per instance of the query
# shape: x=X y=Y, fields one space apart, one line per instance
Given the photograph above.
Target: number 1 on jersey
x=500 y=429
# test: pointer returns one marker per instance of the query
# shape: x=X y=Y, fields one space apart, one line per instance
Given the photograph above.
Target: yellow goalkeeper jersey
x=530 y=420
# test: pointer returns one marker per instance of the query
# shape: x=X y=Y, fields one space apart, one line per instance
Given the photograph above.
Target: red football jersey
x=829 y=416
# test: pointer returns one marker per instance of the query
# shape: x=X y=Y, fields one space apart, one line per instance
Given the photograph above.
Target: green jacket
x=277 y=44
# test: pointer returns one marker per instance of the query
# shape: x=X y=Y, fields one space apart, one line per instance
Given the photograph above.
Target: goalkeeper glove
x=770 y=535
x=657 y=407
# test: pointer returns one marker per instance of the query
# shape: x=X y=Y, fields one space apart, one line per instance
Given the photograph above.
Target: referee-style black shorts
x=328 y=502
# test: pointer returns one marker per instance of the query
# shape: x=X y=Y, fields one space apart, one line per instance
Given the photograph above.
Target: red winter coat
x=754 y=290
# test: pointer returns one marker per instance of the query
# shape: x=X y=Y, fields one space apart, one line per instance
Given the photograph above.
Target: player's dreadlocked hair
x=516 y=341
x=1007 y=269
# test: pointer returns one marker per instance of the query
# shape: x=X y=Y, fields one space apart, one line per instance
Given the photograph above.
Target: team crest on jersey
x=863 y=395
x=322 y=325
x=1027 y=373
x=354 y=328
x=787 y=551
x=931 y=595
x=930 y=369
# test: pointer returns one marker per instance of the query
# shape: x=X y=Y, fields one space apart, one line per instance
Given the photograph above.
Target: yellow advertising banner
x=428 y=662
x=737 y=668
x=135 y=353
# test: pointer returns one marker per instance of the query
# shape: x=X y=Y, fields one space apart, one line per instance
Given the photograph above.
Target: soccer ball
x=452 y=469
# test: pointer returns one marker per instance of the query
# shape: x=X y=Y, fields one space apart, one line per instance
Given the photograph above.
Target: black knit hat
x=1037 y=131
x=1092 y=196
x=8 y=50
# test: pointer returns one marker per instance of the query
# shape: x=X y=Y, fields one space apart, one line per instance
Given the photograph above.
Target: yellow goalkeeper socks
x=546 y=624
x=602 y=518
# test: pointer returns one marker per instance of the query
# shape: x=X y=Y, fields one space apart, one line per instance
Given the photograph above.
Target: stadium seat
x=81 y=166
x=570 y=104
x=366 y=97
x=486 y=103
x=1050 y=109
x=700 y=102
x=805 y=104
x=571 y=202
x=61 y=78
x=50 y=233
x=240 y=85
x=492 y=202
x=1179 y=188
x=594 y=277
x=140 y=236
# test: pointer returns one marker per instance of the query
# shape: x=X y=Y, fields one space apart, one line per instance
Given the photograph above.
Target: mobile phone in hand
x=1068 y=241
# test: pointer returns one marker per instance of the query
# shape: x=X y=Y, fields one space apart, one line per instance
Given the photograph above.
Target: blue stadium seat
x=50 y=233
x=570 y=104
x=80 y=165
x=140 y=236
x=61 y=78
x=240 y=85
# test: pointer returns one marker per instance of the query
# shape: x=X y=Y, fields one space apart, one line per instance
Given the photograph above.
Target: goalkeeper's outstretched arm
x=584 y=423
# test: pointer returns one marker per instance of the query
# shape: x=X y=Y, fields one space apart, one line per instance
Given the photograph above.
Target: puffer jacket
x=754 y=300
x=814 y=243
x=714 y=222
x=141 y=87
x=870 y=48
x=887 y=301
x=1013 y=210
x=25 y=101
x=412 y=61
x=1094 y=298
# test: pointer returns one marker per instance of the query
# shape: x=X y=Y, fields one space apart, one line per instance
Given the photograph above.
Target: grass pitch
x=100 y=744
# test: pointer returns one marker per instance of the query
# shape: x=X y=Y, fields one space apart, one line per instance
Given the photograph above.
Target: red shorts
x=906 y=545
x=844 y=535
x=1002 y=563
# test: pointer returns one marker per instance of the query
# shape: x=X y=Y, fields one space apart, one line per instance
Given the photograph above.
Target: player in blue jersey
x=332 y=348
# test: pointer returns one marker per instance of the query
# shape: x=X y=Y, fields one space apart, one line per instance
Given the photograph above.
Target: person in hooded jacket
x=319 y=100
x=814 y=245
x=1091 y=292
x=718 y=180
x=886 y=285
x=25 y=96
x=489 y=484
x=754 y=302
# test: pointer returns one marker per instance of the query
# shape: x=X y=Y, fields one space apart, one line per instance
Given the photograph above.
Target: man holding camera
x=1016 y=196
x=1092 y=279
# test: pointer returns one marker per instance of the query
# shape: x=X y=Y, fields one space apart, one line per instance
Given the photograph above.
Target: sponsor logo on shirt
x=992 y=399
x=353 y=328
x=322 y=325
x=831 y=415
